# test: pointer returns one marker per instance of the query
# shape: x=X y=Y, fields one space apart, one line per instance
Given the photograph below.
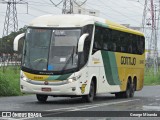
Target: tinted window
x=117 y=41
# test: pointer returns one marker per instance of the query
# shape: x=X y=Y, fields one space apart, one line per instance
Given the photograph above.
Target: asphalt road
x=148 y=99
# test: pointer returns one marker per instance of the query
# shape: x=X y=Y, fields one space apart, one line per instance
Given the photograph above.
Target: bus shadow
x=78 y=100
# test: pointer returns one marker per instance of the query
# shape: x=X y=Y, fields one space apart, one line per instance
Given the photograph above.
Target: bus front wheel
x=91 y=95
x=41 y=98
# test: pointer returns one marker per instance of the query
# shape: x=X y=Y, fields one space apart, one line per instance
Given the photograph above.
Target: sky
x=120 y=11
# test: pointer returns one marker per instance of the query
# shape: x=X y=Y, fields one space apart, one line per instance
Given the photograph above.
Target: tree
x=6 y=46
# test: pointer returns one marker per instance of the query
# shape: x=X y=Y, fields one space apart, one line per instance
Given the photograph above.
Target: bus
x=80 y=56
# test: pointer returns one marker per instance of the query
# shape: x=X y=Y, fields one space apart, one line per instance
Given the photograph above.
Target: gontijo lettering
x=128 y=60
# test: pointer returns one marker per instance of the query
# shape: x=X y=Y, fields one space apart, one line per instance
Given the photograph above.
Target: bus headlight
x=23 y=77
x=70 y=80
x=73 y=79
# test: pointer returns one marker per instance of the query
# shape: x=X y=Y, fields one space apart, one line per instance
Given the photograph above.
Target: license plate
x=46 y=89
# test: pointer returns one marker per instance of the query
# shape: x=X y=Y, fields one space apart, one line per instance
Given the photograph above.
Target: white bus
x=80 y=56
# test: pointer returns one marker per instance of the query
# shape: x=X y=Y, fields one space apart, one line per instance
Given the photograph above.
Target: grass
x=9 y=82
x=150 y=78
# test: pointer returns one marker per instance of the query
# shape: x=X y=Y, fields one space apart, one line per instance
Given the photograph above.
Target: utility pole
x=150 y=25
x=11 y=21
x=68 y=5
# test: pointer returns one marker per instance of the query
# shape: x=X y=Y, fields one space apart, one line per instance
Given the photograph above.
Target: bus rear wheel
x=132 y=89
x=129 y=90
x=91 y=95
x=41 y=98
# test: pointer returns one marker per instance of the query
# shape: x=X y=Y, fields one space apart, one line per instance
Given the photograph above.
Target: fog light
x=73 y=88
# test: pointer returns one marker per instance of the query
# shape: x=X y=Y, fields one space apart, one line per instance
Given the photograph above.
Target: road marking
x=151 y=108
x=82 y=107
x=87 y=107
x=7 y=118
x=105 y=104
x=77 y=108
x=92 y=105
x=62 y=109
x=151 y=104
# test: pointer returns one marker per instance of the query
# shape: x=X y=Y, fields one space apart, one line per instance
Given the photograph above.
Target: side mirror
x=81 y=42
x=16 y=40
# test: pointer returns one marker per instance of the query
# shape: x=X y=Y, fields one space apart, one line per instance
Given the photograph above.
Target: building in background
x=78 y=9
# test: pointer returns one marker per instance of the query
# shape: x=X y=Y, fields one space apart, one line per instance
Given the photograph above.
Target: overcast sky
x=121 y=11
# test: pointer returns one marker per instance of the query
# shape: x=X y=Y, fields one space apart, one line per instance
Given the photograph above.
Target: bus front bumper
x=65 y=89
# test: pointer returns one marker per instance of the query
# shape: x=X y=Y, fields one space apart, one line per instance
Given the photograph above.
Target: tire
x=91 y=95
x=119 y=95
x=41 y=98
x=132 y=90
x=127 y=93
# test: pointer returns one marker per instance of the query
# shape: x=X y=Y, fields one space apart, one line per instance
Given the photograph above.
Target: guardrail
x=13 y=63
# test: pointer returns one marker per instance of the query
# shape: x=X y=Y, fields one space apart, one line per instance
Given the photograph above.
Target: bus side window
x=140 y=45
x=134 y=45
x=106 y=39
x=129 y=41
x=114 y=47
x=98 y=40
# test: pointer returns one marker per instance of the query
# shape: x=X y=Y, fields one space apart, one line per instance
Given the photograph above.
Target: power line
x=68 y=5
x=125 y=8
x=11 y=21
x=39 y=9
x=103 y=13
x=118 y=12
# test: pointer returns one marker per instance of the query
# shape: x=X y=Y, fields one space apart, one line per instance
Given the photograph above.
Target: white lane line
x=151 y=104
x=69 y=108
x=91 y=106
x=61 y=109
x=104 y=104
x=82 y=107
x=157 y=108
x=7 y=118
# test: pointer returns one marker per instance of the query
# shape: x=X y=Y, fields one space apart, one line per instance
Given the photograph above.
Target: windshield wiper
x=73 y=54
x=40 y=60
x=71 y=57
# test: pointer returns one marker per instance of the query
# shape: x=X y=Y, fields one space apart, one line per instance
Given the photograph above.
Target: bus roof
x=76 y=20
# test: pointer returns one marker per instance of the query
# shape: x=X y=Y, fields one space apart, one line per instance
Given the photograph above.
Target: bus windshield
x=51 y=49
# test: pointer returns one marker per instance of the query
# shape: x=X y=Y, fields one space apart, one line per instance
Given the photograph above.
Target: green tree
x=6 y=43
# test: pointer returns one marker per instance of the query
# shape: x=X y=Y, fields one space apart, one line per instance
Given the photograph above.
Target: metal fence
x=8 y=61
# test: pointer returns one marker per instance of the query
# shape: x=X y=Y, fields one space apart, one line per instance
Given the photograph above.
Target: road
x=146 y=100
